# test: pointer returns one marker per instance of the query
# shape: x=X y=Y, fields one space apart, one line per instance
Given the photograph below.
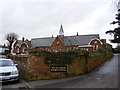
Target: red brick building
x=20 y=46
x=89 y=42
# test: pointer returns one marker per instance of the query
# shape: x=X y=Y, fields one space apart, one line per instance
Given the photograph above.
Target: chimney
x=52 y=35
x=4 y=45
x=77 y=33
x=103 y=41
x=23 y=39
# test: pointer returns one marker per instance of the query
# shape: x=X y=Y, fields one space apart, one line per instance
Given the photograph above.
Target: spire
x=61 y=32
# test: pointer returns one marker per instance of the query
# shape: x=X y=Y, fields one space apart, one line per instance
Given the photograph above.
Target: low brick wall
x=33 y=68
x=97 y=61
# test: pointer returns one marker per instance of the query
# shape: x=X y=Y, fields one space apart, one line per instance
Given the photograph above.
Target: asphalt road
x=105 y=76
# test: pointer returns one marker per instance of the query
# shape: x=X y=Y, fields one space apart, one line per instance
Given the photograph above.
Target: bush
x=37 y=51
x=59 y=58
x=101 y=50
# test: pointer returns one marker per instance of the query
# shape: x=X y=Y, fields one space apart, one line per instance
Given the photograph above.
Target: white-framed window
x=93 y=47
x=18 y=50
x=23 y=49
x=95 y=42
x=58 y=46
x=58 y=42
x=86 y=49
x=96 y=46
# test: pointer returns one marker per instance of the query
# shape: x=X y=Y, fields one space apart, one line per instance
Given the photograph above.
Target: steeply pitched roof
x=37 y=42
x=26 y=41
x=67 y=40
x=61 y=32
x=19 y=42
x=78 y=40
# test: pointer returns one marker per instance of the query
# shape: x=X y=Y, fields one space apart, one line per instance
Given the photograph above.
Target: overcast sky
x=42 y=18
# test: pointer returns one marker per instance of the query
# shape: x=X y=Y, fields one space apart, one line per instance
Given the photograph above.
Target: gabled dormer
x=57 y=45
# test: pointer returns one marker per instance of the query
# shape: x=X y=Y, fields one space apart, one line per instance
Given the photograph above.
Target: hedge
x=61 y=57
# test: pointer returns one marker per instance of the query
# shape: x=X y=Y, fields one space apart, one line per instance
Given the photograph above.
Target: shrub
x=59 y=58
x=37 y=51
x=101 y=50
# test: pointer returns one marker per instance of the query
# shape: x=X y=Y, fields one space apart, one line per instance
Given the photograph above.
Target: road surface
x=105 y=76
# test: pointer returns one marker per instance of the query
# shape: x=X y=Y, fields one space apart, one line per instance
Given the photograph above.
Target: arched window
x=23 y=46
x=23 y=49
x=18 y=50
x=58 y=46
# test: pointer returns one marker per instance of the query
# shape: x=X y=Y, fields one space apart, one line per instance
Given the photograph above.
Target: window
x=86 y=49
x=58 y=42
x=93 y=46
x=17 y=50
x=58 y=46
x=95 y=42
x=96 y=46
x=23 y=49
x=4 y=63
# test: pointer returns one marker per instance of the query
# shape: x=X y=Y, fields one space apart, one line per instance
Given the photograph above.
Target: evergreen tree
x=116 y=31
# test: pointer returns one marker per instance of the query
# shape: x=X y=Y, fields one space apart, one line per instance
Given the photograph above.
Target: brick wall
x=98 y=60
x=33 y=67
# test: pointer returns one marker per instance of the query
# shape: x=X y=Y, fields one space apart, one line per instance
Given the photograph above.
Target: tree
x=116 y=31
x=11 y=37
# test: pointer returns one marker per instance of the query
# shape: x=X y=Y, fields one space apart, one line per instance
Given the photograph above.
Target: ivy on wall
x=61 y=57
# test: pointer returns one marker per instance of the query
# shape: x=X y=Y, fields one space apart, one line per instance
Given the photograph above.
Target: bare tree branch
x=11 y=37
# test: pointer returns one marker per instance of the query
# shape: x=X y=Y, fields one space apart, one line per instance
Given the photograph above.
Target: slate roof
x=37 y=42
x=20 y=42
x=67 y=40
x=78 y=40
